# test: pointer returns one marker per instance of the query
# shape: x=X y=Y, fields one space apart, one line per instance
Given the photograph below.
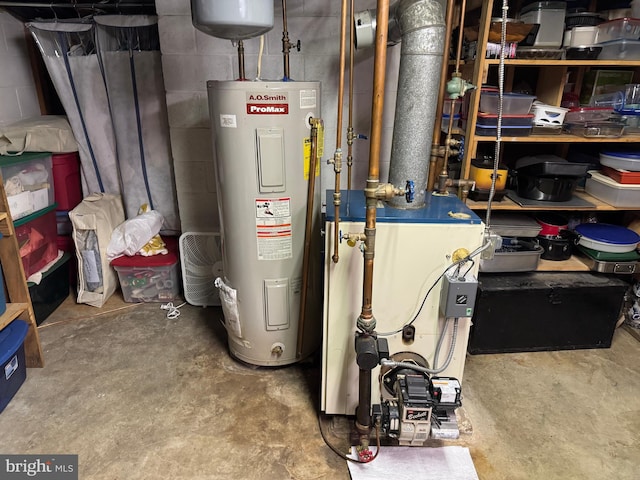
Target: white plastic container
x=608 y=190
x=548 y=115
x=583 y=36
x=550 y=16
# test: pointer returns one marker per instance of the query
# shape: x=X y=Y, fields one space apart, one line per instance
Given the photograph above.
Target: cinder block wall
x=190 y=58
x=18 y=98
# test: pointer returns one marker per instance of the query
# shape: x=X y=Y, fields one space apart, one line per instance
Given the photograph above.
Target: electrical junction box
x=458 y=295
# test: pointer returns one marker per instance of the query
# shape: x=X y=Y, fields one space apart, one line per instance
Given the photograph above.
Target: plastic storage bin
x=13 y=371
x=622 y=160
x=621 y=28
x=149 y=279
x=490 y=120
x=37 y=238
x=620 y=50
x=66 y=180
x=596 y=129
x=513 y=103
x=28 y=181
x=550 y=17
x=506 y=131
x=588 y=114
x=52 y=289
x=611 y=192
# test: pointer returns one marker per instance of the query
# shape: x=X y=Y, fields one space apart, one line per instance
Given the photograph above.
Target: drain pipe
x=422 y=25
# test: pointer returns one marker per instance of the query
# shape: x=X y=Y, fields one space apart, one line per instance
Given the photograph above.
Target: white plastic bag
x=129 y=237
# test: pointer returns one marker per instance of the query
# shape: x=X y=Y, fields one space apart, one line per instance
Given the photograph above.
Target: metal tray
x=523 y=258
x=514 y=225
x=603 y=266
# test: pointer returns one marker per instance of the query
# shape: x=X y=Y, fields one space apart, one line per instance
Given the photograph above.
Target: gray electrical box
x=458 y=295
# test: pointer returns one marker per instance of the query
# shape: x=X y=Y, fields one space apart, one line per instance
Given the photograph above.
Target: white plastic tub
x=550 y=17
x=609 y=191
x=548 y=115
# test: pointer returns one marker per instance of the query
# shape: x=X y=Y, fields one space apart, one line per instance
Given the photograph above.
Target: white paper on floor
x=416 y=463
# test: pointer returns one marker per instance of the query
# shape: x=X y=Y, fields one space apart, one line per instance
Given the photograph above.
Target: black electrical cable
x=343 y=455
x=468 y=258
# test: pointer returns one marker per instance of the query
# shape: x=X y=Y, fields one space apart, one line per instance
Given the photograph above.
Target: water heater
x=262 y=144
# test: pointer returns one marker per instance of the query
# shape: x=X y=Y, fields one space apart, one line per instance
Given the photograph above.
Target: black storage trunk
x=526 y=312
x=52 y=290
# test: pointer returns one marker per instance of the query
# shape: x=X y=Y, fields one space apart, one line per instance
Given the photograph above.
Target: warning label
x=273 y=228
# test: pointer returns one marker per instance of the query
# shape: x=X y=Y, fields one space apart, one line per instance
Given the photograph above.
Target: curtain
x=108 y=76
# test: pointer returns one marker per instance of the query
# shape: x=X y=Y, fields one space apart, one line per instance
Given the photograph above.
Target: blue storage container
x=13 y=371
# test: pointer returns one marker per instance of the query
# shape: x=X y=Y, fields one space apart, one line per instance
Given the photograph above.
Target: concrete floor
x=138 y=396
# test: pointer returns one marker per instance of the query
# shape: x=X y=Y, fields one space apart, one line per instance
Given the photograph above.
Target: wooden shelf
x=538 y=62
x=562 y=139
x=508 y=204
x=17 y=292
x=13 y=311
x=571 y=265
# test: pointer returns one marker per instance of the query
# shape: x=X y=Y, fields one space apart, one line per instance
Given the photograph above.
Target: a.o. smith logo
x=267 y=108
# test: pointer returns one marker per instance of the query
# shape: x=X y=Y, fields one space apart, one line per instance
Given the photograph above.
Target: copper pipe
x=444 y=74
x=241 y=61
x=307 y=233
x=447 y=151
x=463 y=11
x=350 y=134
x=377 y=107
x=286 y=45
x=337 y=156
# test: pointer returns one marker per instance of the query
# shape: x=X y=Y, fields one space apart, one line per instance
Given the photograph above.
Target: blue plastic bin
x=13 y=371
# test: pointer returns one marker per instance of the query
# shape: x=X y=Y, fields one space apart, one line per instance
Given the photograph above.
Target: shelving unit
x=18 y=298
x=551 y=76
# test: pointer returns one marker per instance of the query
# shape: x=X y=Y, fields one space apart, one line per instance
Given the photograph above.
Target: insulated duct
x=422 y=26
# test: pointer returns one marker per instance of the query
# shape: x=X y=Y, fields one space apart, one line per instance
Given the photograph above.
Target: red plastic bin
x=37 y=237
x=66 y=180
x=149 y=279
